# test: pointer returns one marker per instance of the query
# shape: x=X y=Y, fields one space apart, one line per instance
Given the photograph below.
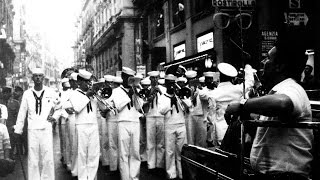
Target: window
x=178 y=12
x=159 y=21
x=201 y=5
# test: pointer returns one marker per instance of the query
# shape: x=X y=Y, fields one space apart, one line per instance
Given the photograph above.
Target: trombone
x=95 y=89
x=105 y=103
x=179 y=101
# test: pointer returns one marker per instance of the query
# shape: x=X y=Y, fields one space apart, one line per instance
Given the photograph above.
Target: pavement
x=62 y=174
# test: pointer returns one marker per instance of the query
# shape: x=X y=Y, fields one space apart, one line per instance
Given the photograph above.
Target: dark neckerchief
x=129 y=105
x=38 y=102
x=89 y=106
x=173 y=102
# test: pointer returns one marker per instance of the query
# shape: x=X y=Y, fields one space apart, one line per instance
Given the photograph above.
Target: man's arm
x=269 y=105
x=4 y=113
x=21 y=115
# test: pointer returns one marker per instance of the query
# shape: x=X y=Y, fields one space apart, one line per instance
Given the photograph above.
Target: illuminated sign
x=205 y=42
x=179 y=51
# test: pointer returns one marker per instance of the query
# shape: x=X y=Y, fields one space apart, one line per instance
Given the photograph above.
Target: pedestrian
x=286 y=102
x=173 y=109
x=37 y=103
x=6 y=163
x=13 y=108
x=86 y=109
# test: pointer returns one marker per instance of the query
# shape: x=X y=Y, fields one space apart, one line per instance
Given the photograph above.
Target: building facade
x=108 y=33
x=7 y=54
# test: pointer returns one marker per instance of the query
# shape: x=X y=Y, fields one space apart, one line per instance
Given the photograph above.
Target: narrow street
x=62 y=174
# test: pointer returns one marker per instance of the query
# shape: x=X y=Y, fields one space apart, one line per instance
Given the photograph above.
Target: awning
x=189 y=61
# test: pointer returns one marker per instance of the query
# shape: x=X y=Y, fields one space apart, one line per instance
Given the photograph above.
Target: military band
x=122 y=121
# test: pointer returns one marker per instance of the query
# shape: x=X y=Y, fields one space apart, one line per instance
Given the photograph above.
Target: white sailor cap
x=248 y=68
x=118 y=79
x=161 y=81
x=145 y=81
x=85 y=74
x=191 y=74
x=170 y=77
x=74 y=76
x=128 y=71
x=201 y=79
x=37 y=71
x=101 y=80
x=208 y=74
x=64 y=80
x=139 y=75
x=181 y=79
x=109 y=78
x=154 y=73
x=227 y=69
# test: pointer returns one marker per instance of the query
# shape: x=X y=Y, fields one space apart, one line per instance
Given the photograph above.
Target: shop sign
x=234 y=3
x=268 y=39
x=179 y=51
x=205 y=42
x=297 y=19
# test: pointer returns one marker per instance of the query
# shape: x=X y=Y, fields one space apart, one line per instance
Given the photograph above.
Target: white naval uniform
x=104 y=139
x=196 y=123
x=129 y=135
x=220 y=98
x=4 y=113
x=61 y=114
x=88 y=135
x=40 y=142
x=112 y=145
x=175 y=135
x=72 y=136
x=155 y=135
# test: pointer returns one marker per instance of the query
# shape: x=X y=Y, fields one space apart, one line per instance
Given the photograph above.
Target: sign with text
x=234 y=3
x=297 y=19
x=179 y=51
x=205 y=42
x=268 y=39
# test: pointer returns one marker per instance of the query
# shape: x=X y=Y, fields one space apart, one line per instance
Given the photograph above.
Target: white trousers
x=88 y=151
x=74 y=146
x=104 y=146
x=68 y=145
x=175 y=138
x=63 y=142
x=197 y=130
x=155 y=142
x=113 y=151
x=40 y=151
x=129 y=147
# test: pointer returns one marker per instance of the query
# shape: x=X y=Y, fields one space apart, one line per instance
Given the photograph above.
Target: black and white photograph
x=159 y=89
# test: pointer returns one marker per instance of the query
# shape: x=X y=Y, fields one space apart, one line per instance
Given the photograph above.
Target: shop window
x=178 y=12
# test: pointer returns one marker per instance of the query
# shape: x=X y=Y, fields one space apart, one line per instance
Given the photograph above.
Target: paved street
x=62 y=174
